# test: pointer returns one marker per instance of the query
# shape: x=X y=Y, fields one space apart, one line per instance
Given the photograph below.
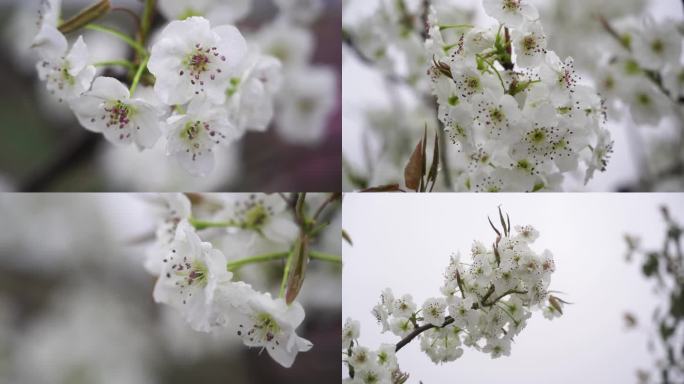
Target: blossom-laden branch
x=196 y=278
x=652 y=75
x=487 y=301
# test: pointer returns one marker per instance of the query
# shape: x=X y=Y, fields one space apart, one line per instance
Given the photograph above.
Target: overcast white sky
x=363 y=88
x=403 y=241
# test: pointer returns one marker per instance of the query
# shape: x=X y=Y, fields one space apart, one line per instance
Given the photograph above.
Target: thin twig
x=83 y=149
x=448 y=320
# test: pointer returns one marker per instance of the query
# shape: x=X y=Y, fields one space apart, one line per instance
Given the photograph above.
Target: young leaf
x=347 y=238
x=384 y=188
x=298 y=269
x=412 y=171
x=432 y=175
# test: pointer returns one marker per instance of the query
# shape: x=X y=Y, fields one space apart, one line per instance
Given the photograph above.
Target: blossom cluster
x=211 y=83
x=652 y=50
x=194 y=276
x=634 y=59
x=484 y=305
x=518 y=114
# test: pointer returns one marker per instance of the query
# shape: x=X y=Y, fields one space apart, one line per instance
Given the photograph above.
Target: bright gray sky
x=363 y=88
x=403 y=241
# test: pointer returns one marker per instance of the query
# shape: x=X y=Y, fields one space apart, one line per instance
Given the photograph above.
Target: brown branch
x=509 y=292
x=448 y=320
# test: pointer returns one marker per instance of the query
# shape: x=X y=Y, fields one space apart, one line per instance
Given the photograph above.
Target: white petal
x=88 y=110
x=147 y=130
x=232 y=44
x=109 y=88
x=200 y=164
x=529 y=11
x=50 y=43
x=281 y=229
x=78 y=57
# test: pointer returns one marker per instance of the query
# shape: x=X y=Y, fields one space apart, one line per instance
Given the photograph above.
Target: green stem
x=233 y=265
x=495 y=71
x=135 y=45
x=136 y=78
x=148 y=14
x=123 y=63
x=286 y=274
x=454 y=26
x=201 y=224
x=325 y=257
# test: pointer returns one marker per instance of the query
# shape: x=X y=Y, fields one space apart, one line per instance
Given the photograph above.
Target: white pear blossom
x=270 y=323
x=265 y=215
x=250 y=97
x=434 y=311
x=498 y=347
x=647 y=104
x=404 y=306
x=657 y=44
x=559 y=76
x=350 y=332
x=67 y=75
x=291 y=44
x=529 y=43
x=155 y=173
x=302 y=11
x=108 y=109
x=216 y=11
x=192 y=272
x=192 y=136
x=191 y=59
x=401 y=326
x=306 y=100
x=510 y=12
x=170 y=209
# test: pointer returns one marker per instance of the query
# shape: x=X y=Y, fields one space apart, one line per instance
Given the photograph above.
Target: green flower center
x=64 y=72
x=306 y=105
x=511 y=5
x=191 y=130
x=496 y=114
x=644 y=99
x=255 y=217
x=657 y=46
x=537 y=136
x=198 y=274
x=473 y=83
x=267 y=325
x=529 y=43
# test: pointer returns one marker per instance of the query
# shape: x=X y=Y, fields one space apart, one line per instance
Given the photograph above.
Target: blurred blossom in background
x=387 y=100
x=45 y=148
x=76 y=302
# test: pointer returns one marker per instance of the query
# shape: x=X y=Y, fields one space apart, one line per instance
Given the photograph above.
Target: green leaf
x=650 y=266
x=666 y=331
